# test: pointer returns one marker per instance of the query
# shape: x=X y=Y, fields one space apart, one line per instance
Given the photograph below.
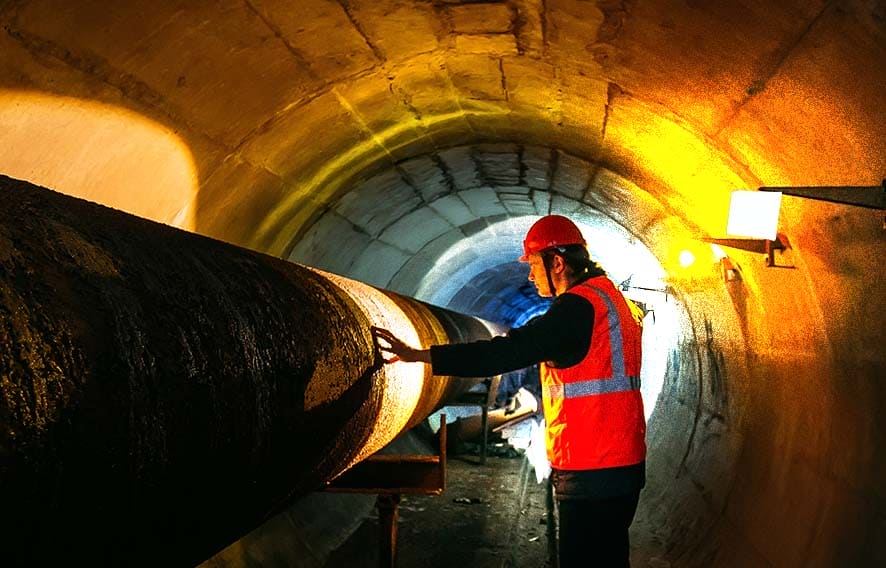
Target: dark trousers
x=594 y=533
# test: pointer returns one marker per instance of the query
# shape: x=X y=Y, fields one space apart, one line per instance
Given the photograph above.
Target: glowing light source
x=681 y=159
x=754 y=214
x=687 y=259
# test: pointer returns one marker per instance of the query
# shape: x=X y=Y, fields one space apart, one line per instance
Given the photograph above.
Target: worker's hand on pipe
x=399 y=350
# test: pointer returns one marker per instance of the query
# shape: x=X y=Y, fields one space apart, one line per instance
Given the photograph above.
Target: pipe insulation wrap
x=162 y=393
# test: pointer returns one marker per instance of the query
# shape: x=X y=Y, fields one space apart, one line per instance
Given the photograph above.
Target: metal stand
x=484 y=400
x=388 y=514
x=390 y=477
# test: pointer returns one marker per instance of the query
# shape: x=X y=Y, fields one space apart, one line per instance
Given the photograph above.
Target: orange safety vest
x=593 y=410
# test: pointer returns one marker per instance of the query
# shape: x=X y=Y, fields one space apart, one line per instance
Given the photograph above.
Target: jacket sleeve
x=561 y=337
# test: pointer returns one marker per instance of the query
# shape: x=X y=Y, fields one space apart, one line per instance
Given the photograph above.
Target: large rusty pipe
x=162 y=393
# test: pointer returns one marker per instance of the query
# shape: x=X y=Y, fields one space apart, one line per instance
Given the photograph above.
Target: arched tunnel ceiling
x=433 y=226
x=284 y=108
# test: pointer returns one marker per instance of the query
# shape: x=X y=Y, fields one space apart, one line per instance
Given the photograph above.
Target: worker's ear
x=558 y=265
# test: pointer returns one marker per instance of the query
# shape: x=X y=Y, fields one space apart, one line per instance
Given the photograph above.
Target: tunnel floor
x=489 y=516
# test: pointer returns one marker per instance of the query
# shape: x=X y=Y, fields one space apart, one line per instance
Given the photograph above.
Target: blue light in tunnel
x=536 y=310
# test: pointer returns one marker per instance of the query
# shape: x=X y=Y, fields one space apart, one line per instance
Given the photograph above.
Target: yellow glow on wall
x=688 y=259
x=102 y=153
x=404 y=382
x=697 y=176
x=811 y=131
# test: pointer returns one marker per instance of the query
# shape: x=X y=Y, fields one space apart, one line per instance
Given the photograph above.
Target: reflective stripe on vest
x=619 y=381
x=588 y=388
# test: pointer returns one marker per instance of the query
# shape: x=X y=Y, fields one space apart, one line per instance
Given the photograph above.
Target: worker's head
x=556 y=252
x=548 y=232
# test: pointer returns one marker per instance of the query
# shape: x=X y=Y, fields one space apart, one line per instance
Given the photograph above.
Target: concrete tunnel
x=408 y=145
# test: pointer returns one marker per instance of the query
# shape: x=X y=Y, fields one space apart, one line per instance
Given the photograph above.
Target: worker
x=588 y=347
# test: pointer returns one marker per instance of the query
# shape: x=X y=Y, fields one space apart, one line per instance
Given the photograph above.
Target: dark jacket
x=560 y=337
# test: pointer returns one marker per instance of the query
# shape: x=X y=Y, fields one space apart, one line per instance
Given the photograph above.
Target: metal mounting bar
x=750 y=245
x=420 y=475
x=390 y=474
x=763 y=246
x=872 y=197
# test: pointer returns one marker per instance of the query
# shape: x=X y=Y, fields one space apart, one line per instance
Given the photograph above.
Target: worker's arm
x=561 y=336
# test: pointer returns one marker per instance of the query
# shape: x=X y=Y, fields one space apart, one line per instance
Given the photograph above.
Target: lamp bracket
x=872 y=197
x=772 y=246
x=762 y=246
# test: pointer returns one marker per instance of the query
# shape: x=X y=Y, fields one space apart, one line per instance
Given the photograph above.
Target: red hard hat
x=550 y=231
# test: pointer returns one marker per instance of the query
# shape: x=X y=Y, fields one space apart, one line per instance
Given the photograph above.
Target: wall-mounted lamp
x=754 y=214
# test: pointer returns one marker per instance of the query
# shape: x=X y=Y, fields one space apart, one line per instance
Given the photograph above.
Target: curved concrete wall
x=411 y=121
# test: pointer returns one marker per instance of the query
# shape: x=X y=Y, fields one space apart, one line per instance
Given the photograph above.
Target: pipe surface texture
x=162 y=393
